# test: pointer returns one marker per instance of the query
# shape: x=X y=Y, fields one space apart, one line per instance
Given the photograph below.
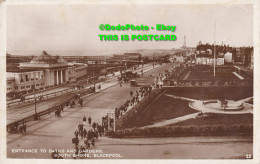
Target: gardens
x=174 y=104
x=158 y=107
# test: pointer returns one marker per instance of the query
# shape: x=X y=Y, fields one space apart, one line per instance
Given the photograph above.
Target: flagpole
x=215 y=51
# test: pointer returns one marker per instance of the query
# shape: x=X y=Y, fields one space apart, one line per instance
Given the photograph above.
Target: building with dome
x=54 y=71
x=41 y=72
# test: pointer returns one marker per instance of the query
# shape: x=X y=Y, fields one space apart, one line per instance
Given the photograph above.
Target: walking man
x=24 y=128
x=89 y=120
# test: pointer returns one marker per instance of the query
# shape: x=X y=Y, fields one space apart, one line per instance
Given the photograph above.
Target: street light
x=35 y=112
x=93 y=76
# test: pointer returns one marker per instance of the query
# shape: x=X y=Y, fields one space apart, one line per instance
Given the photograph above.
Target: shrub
x=246 y=129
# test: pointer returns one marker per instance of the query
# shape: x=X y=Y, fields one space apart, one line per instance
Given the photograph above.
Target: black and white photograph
x=129 y=80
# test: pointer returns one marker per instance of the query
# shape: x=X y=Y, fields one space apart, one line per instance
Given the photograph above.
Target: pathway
x=181 y=98
x=239 y=76
x=172 y=121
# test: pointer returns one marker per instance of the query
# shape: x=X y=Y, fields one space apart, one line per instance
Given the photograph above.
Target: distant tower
x=184 y=44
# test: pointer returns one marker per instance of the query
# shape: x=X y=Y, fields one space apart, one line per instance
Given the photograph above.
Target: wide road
x=46 y=133
x=50 y=132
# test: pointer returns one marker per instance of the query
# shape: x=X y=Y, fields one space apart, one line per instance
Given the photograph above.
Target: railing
x=46 y=96
x=21 y=121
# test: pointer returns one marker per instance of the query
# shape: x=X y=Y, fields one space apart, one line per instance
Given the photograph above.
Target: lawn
x=218 y=119
x=202 y=93
x=163 y=109
x=210 y=76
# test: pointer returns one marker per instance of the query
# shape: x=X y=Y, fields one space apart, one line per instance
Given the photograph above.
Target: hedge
x=166 y=131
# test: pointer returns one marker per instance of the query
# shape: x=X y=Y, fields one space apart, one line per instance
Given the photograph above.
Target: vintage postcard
x=130 y=81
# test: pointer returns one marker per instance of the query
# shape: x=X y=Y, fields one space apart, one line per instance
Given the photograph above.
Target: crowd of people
x=86 y=135
x=143 y=91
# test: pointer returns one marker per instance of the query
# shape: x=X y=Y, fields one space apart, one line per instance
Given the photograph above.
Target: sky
x=75 y=28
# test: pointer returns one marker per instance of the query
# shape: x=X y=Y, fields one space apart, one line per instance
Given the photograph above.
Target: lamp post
x=215 y=51
x=35 y=107
x=108 y=123
x=142 y=67
x=93 y=76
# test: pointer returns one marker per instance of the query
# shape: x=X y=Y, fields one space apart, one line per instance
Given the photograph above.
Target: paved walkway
x=245 y=99
x=181 y=98
x=198 y=105
x=172 y=121
x=239 y=76
x=187 y=75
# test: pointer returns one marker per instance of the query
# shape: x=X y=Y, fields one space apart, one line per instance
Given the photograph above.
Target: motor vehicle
x=133 y=83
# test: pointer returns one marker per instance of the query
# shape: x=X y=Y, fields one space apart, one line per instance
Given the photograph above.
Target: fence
x=46 y=96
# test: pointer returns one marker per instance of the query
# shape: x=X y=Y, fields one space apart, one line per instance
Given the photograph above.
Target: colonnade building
x=41 y=72
x=55 y=71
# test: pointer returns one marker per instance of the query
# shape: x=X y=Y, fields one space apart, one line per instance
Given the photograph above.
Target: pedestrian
x=96 y=134
x=79 y=128
x=54 y=154
x=93 y=142
x=103 y=129
x=76 y=150
x=20 y=129
x=82 y=151
x=131 y=93
x=59 y=112
x=81 y=102
x=76 y=133
x=89 y=120
x=94 y=125
x=76 y=141
x=24 y=128
x=84 y=118
x=73 y=104
x=86 y=142
x=84 y=133
x=89 y=135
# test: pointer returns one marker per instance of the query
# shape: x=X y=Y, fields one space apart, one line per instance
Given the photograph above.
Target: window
x=42 y=83
x=22 y=87
x=28 y=86
x=16 y=88
x=26 y=77
x=21 y=78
